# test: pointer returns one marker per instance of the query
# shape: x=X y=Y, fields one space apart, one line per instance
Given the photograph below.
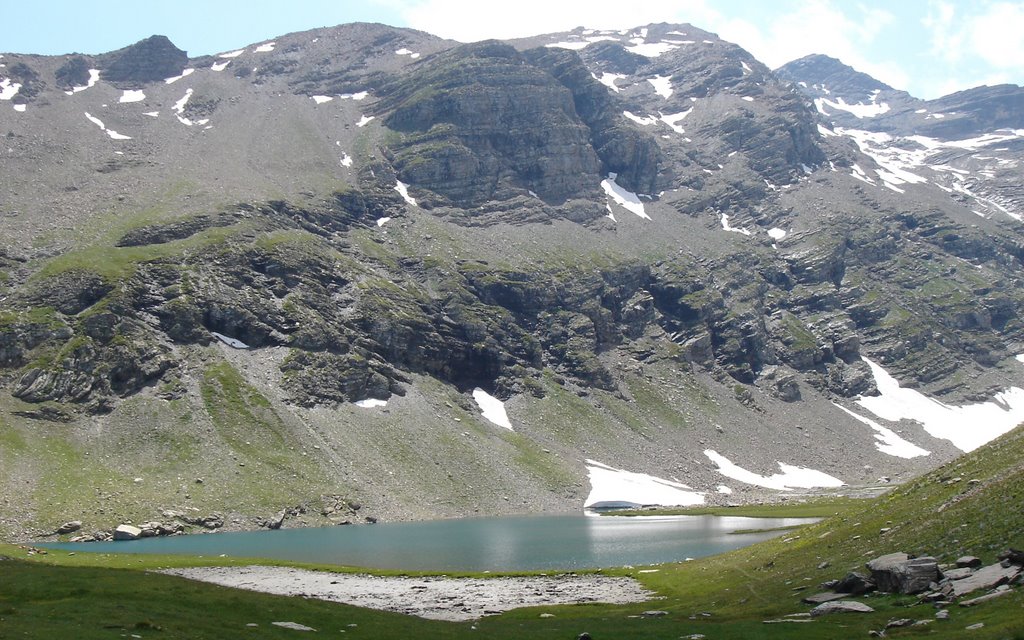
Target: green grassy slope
x=969 y=506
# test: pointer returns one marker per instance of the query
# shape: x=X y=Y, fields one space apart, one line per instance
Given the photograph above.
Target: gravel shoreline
x=436 y=597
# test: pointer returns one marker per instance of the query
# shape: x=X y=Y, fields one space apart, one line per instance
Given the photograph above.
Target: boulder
x=821 y=598
x=957 y=574
x=855 y=584
x=840 y=606
x=985 y=578
x=968 y=561
x=127 y=532
x=1013 y=556
x=899 y=573
x=69 y=527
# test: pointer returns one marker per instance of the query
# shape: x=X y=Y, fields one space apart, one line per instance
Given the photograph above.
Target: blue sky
x=927 y=47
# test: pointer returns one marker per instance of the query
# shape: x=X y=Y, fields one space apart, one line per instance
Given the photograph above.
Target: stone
x=295 y=626
x=900 y=622
x=655 y=614
x=277 y=521
x=957 y=574
x=854 y=583
x=827 y=596
x=968 y=561
x=1013 y=556
x=975 y=626
x=985 y=598
x=840 y=606
x=127 y=532
x=899 y=573
x=583 y=636
x=942 y=615
x=69 y=527
x=985 y=578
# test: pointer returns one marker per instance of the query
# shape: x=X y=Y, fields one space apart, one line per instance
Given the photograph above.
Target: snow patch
x=152 y=114
x=361 y=95
x=649 y=120
x=746 y=67
x=652 y=49
x=322 y=99
x=403 y=190
x=265 y=48
x=131 y=95
x=662 y=86
x=825 y=131
x=117 y=136
x=232 y=54
x=20 y=108
x=186 y=72
x=383 y=221
x=671 y=119
x=748 y=98
x=860 y=175
x=220 y=66
x=575 y=46
x=611 y=487
x=94 y=76
x=608 y=80
x=791 y=477
x=179 y=108
x=493 y=410
x=370 y=403
x=723 y=489
x=346 y=160
x=967 y=426
x=8 y=89
x=728 y=227
x=231 y=342
x=859 y=110
x=96 y=121
x=888 y=441
x=626 y=199
x=777 y=233
x=365 y=120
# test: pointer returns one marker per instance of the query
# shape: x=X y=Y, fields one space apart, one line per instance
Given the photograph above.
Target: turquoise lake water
x=523 y=543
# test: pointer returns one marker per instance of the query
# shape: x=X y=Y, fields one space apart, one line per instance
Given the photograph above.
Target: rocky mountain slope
x=366 y=271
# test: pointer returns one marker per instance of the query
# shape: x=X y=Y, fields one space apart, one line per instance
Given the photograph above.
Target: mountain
x=365 y=272
x=967 y=143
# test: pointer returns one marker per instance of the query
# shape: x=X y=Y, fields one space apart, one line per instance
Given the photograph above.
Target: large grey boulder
x=984 y=578
x=69 y=527
x=899 y=573
x=127 y=532
x=840 y=606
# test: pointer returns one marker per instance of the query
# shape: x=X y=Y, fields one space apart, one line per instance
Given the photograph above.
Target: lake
x=520 y=543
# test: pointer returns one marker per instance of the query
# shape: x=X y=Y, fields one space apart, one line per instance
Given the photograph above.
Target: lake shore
x=437 y=598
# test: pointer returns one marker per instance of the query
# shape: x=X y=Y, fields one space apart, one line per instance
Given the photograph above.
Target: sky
x=927 y=47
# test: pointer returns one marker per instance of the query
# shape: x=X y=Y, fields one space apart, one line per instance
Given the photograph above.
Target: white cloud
x=981 y=43
x=820 y=26
x=945 y=43
x=997 y=34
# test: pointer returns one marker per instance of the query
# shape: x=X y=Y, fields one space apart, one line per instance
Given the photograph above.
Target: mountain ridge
x=706 y=264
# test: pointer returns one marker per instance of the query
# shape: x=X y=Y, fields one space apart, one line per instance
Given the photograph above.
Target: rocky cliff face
x=281 y=270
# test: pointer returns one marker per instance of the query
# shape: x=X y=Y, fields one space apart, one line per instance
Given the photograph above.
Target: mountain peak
x=832 y=73
x=148 y=60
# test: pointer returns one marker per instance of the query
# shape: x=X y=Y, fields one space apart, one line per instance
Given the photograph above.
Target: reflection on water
x=477 y=544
